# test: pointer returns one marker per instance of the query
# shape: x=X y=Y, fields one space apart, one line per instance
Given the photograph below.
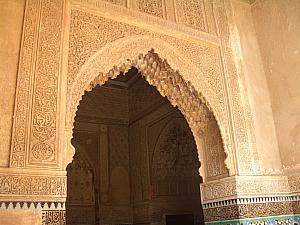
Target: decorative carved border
x=43 y=133
x=136 y=18
x=274 y=220
x=249 y=186
x=27 y=185
x=24 y=85
x=251 y=200
x=294 y=182
x=17 y=205
x=34 y=138
x=254 y=210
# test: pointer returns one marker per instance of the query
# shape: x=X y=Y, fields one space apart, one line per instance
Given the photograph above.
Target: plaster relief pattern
x=54 y=217
x=39 y=186
x=246 y=186
x=208 y=61
x=214 y=152
x=206 y=58
x=152 y=7
x=242 y=121
x=191 y=13
x=42 y=152
x=253 y=210
x=118 y=2
x=46 y=83
x=43 y=86
x=195 y=111
x=23 y=93
x=89 y=33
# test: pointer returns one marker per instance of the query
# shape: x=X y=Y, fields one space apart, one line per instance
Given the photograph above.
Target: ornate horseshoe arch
x=170 y=78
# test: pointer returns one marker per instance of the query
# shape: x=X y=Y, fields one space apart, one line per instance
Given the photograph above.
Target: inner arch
x=118 y=122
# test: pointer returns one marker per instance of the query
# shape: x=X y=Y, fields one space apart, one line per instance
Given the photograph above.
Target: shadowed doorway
x=136 y=159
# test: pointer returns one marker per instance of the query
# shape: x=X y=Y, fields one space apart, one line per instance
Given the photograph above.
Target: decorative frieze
x=282 y=220
x=22 y=186
x=28 y=205
x=243 y=186
x=250 y=210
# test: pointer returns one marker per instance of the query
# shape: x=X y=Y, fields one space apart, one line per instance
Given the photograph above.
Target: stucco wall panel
x=277 y=25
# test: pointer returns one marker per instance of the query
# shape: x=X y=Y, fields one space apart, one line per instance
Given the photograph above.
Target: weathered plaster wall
x=277 y=25
x=250 y=65
x=11 y=21
x=29 y=217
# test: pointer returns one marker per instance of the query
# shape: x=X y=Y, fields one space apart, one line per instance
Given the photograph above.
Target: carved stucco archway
x=163 y=67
